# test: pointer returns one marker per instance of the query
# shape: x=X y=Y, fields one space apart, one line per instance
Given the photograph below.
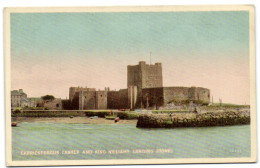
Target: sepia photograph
x=130 y=85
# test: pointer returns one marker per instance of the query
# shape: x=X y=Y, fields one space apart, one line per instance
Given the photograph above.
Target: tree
x=48 y=97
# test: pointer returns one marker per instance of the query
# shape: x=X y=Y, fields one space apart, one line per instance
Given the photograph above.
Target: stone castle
x=144 y=90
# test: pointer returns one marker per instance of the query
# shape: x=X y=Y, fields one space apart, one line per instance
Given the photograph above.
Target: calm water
x=210 y=142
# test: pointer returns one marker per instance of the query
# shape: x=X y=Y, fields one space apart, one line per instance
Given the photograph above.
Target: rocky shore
x=193 y=119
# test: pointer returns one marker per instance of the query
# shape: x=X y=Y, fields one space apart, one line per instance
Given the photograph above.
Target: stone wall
x=101 y=100
x=176 y=94
x=184 y=95
x=151 y=75
x=98 y=99
x=123 y=94
x=132 y=96
x=153 y=97
x=117 y=99
x=34 y=101
x=55 y=104
x=201 y=94
x=74 y=90
x=49 y=113
x=193 y=120
x=179 y=96
x=87 y=100
x=134 y=77
x=66 y=105
x=74 y=95
x=113 y=100
x=75 y=101
x=144 y=75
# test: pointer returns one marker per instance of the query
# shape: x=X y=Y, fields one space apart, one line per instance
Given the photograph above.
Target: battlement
x=143 y=63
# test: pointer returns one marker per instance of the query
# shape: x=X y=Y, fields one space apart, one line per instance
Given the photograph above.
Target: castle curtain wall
x=101 y=100
x=153 y=97
x=176 y=94
x=87 y=100
x=117 y=99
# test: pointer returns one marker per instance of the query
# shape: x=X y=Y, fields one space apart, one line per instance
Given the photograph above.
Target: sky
x=51 y=52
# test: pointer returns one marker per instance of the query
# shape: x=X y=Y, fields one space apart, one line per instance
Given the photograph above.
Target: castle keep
x=144 y=90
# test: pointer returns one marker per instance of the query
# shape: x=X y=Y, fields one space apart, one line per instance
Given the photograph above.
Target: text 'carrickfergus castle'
x=144 y=90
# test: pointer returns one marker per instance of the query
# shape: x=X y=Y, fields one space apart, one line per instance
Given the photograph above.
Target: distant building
x=35 y=102
x=18 y=98
x=144 y=90
x=55 y=104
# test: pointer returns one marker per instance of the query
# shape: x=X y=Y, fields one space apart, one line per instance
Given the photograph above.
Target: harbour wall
x=73 y=113
x=193 y=119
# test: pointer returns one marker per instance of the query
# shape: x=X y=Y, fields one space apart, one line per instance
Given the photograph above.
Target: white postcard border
x=7 y=47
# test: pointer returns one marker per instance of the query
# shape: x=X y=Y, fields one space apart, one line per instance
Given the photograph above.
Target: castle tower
x=101 y=100
x=76 y=96
x=143 y=76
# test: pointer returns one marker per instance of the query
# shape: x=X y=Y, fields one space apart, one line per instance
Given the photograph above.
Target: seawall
x=74 y=113
x=193 y=120
x=48 y=113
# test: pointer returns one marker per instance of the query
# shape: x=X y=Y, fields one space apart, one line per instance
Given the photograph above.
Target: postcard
x=130 y=85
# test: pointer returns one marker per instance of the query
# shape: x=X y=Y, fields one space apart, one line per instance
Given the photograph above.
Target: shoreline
x=67 y=120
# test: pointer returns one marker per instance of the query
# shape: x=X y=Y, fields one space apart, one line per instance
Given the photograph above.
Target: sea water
x=125 y=141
